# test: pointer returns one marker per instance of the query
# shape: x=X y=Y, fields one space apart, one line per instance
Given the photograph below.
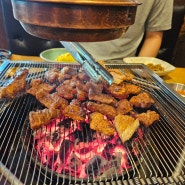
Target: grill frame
x=162 y=92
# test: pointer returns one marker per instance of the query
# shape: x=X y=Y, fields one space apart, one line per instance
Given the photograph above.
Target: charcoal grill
x=161 y=159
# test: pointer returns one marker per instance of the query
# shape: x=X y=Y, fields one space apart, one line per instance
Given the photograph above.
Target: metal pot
x=75 y=20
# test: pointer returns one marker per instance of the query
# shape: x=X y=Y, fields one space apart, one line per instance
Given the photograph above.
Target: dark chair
x=18 y=40
x=170 y=38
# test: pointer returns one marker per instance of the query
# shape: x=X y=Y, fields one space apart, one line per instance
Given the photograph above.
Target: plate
x=150 y=60
x=51 y=55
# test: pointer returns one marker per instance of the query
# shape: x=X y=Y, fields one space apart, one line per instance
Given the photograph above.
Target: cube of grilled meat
x=83 y=76
x=124 y=106
x=66 y=91
x=81 y=94
x=125 y=126
x=102 y=108
x=100 y=124
x=52 y=75
x=66 y=72
x=16 y=84
x=42 y=117
x=51 y=100
x=142 y=100
x=39 y=85
x=74 y=112
x=147 y=118
x=117 y=91
x=132 y=89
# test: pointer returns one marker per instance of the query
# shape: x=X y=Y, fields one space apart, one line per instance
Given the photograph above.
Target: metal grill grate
x=160 y=161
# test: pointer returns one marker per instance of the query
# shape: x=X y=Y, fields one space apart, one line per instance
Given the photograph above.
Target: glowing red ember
x=71 y=147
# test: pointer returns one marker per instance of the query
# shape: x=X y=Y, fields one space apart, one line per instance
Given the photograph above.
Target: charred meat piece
x=124 y=107
x=66 y=73
x=74 y=112
x=16 y=84
x=125 y=126
x=39 y=85
x=142 y=100
x=117 y=91
x=42 y=117
x=100 y=124
x=104 y=109
x=51 y=100
x=147 y=118
x=52 y=75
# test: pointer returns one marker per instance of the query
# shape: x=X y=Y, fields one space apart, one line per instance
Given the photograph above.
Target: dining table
x=175 y=76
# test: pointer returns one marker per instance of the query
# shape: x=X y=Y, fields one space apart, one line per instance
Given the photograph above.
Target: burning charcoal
x=74 y=163
x=77 y=136
x=108 y=151
x=66 y=123
x=55 y=136
x=96 y=166
x=116 y=160
x=87 y=133
x=65 y=150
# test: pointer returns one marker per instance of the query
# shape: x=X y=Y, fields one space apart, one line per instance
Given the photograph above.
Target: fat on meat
x=51 y=100
x=104 y=109
x=16 y=84
x=42 y=117
x=39 y=85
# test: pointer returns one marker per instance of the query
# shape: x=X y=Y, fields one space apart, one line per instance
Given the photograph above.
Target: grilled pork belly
x=52 y=75
x=117 y=91
x=125 y=126
x=39 y=85
x=124 y=107
x=147 y=118
x=16 y=84
x=66 y=73
x=132 y=89
x=119 y=76
x=100 y=124
x=103 y=108
x=51 y=100
x=42 y=117
x=103 y=98
x=142 y=100
x=74 y=112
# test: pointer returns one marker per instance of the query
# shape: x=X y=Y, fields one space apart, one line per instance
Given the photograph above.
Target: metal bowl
x=180 y=88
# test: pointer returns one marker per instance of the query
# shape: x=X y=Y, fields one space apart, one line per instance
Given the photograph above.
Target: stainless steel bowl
x=180 y=88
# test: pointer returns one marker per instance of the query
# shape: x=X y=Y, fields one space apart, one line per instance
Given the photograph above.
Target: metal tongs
x=91 y=67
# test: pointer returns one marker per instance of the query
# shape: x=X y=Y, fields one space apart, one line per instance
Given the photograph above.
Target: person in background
x=152 y=18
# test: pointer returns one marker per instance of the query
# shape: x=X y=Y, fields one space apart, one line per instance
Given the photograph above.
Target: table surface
x=176 y=76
